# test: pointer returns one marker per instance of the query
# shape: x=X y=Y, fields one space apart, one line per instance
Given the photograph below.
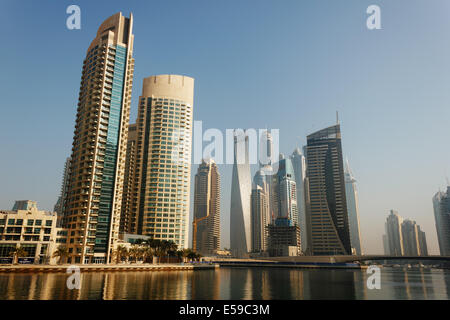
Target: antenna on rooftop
x=337 y=117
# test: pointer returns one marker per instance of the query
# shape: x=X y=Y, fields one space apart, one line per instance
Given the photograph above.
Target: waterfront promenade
x=106 y=268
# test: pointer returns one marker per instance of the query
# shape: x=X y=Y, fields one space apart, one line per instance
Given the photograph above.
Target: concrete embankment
x=107 y=268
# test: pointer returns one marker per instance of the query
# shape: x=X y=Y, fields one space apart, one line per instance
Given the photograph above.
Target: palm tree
x=120 y=252
x=146 y=252
x=17 y=253
x=61 y=252
x=179 y=254
x=134 y=252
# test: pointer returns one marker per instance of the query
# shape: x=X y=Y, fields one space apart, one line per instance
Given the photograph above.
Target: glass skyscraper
x=327 y=218
x=240 y=207
x=441 y=204
x=353 y=209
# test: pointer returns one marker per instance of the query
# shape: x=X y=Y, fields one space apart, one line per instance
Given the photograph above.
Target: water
x=231 y=283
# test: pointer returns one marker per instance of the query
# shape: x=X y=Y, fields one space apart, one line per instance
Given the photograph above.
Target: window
x=48 y=223
x=19 y=222
x=38 y=222
x=11 y=221
x=30 y=222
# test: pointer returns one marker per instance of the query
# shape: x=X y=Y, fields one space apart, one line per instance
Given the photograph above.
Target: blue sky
x=278 y=64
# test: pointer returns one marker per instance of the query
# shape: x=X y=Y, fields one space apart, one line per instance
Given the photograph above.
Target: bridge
x=355 y=258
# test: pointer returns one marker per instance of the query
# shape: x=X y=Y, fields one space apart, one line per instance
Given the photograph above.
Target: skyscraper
x=299 y=165
x=128 y=221
x=353 y=209
x=286 y=192
x=160 y=196
x=206 y=224
x=327 y=220
x=240 y=208
x=423 y=247
x=410 y=235
x=94 y=193
x=59 y=206
x=260 y=217
x=394 y=235
x=441 y=205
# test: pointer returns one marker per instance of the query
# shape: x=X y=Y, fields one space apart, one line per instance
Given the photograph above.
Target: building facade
x=327 y=218
x=59 y=206
x=299 y=164
x=128 y=219
x=441 y=206
x=260 y=217
x=33 y=230
x=94 y=194
x=394 y=235
x=206 y=224
x=351 y=193
x=283 y=238
x=240 y=207
x=160 y=197
x=410 y=235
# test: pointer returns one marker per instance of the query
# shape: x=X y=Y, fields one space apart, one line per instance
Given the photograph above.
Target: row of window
x=29 y=222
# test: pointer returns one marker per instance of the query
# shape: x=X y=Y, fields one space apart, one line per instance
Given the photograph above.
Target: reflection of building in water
x=205 y=285
x=333 y=284
x=296 y=283
x=360 y=281
x=260 y=284
x=240 y=284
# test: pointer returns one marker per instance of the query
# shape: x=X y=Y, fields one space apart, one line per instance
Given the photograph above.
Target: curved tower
x=240 y=208
x=327 y=219
x=94 y=194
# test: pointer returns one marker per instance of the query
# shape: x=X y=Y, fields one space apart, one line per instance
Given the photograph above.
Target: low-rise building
x=32 y=230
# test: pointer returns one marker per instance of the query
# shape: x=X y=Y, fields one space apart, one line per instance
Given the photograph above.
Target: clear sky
x=257 y=63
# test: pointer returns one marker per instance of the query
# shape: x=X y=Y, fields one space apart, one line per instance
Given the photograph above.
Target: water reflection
x=231 y=283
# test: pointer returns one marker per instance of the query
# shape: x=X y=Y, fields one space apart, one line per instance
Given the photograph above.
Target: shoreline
x=104 y=268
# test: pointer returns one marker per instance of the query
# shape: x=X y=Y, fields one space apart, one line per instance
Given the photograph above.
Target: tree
x=120 y=253
x=134 y=253
x=17 y=253
x=61 y=252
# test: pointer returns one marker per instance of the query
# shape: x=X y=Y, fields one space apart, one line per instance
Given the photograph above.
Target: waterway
x=231 y=283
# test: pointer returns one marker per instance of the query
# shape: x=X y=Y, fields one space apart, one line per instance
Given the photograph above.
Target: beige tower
x=206 y=224
x=94 y=196
x=160 y=197
x=128 y=221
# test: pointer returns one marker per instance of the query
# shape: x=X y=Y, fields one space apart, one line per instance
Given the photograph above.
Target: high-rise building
x=410 y=236
x=260 y=217
x=441 y=204
x=286 y=192
x=162 y=174
x=394 y=235
x=94 y=194
x=24 y=205
x=423 y=247
x=128 y=220
x=327 y=219
x=206 y=224
x=299 y=165
x=283 y=238
x=59 y=206
x=353 y=209
x=240 y=207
